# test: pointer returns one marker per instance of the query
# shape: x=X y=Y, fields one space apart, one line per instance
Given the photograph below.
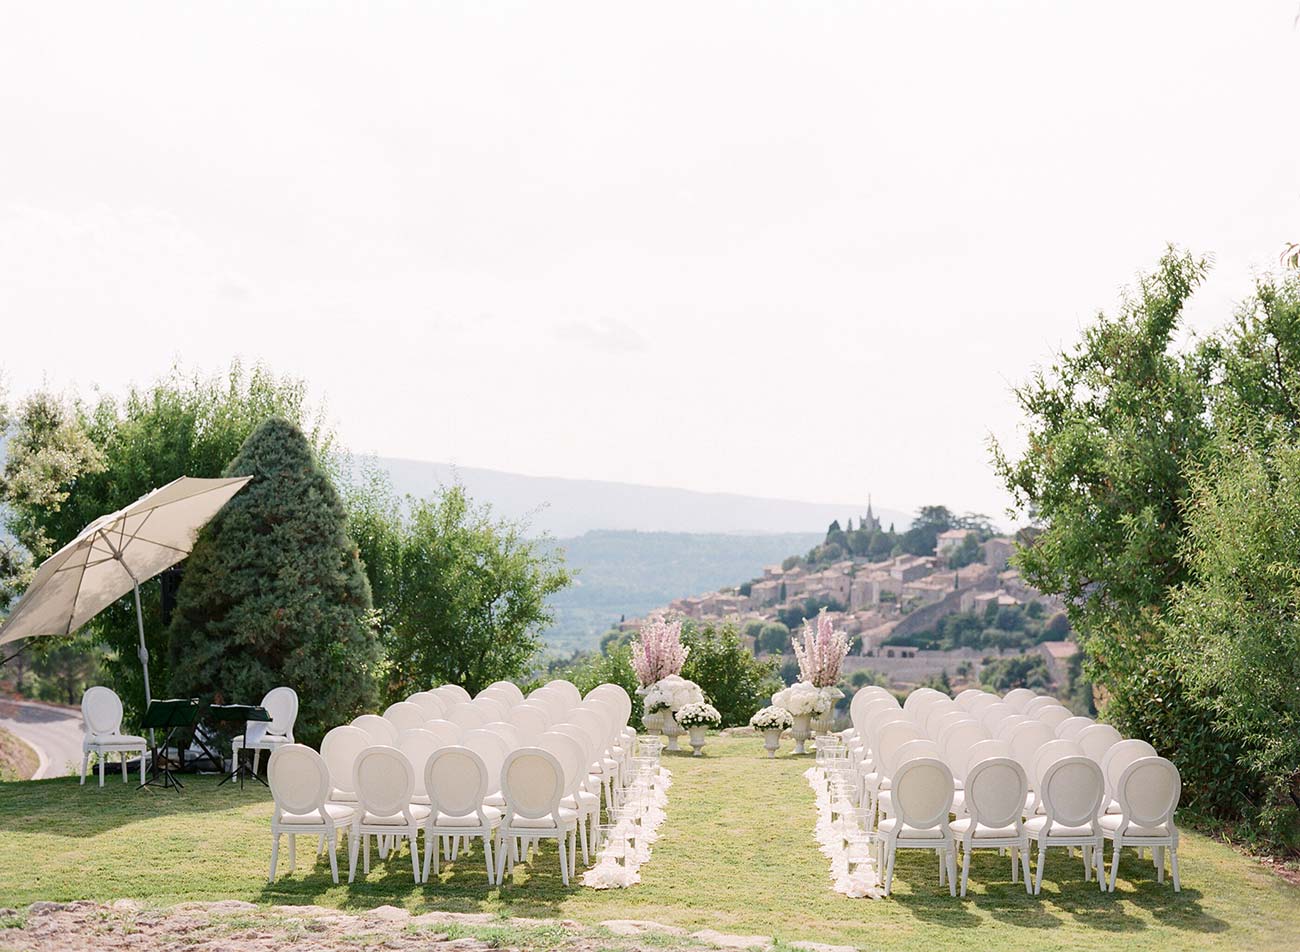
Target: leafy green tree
x=754 y=628
x=462 y=595
x=274 y=592
x=70 y=462
x=774 y=638
x=967 y=553
x=735 y=682
x=613 y=667
x=1021 y=671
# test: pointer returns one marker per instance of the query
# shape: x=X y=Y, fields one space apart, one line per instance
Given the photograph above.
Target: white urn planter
x=653 y=721
x=698 y=735
x=771 y=741
x=801 y=731
x=823 y=723
x=672 y=730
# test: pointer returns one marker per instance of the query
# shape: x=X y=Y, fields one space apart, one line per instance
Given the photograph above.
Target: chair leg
x=1024 y=868
x=561 y=842
x=1087 y=864
x=487 y=858
x=275 y=855
x=1114 y=864
x=414 y=837
x=1038 y=873
x=334 y=860
x=85 y=765
x=1173 y=868
x=1099 y=860
x=1159 y=853
x=950 y=857
x=365 y=849
x=293 y=855
x=582 y=830
x=102 y=760
x=573 y=852
x=122 y=756
x=965 y=870
x=503 y=848
x=354 y=841
x=889 y=869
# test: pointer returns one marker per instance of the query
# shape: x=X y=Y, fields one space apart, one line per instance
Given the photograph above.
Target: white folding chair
x=340 y=749
x=922 y=799
x=406 y=716
x=282 y=704
x=381 y=730
x=457 y=781
x=1071 y=727
x=1148 y=791
x=532 y=782
x=1071 y=792
x=994 y=799
x=385 y=782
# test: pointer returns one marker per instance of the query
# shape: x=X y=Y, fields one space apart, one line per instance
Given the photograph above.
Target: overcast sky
x=788 y=249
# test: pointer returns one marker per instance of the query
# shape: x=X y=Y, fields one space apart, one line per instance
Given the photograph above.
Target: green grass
x=736 y=854
x=18 y=760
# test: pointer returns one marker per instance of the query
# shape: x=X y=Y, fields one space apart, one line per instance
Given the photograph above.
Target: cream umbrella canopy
x=113 y=555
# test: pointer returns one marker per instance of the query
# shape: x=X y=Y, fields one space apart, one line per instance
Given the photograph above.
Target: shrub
x=733 y=680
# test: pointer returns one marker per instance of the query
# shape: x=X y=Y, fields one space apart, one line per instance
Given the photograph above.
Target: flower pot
x=801 y=731
x=822 y=723
x=697 y=738
x=653 y=721
x=771 y=741
x=672 y=730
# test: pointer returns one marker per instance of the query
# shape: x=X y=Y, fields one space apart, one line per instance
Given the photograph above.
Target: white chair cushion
x=339 y=812
x=959 y=828
x=419 y=813
x=268 y=741
x=567 y=818
x=129 y=741
x=586 y=802
x=343 y=796
x=1111 y=821
x=1034 y=826
x=958 y=802
x=491 y=814
x=910 y=832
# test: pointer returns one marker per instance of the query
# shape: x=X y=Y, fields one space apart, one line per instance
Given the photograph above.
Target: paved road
x=54 y=732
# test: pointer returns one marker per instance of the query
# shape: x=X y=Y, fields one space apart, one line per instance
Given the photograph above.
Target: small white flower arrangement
x=803 y=699
x=699 y=714
x=772 y=719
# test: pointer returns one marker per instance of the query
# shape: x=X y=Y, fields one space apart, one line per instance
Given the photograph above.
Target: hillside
x=629 y=573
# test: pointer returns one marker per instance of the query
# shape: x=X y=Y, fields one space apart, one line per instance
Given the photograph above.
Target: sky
x=789 y=249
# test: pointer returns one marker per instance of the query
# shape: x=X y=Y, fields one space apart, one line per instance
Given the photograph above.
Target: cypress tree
x=274 y=592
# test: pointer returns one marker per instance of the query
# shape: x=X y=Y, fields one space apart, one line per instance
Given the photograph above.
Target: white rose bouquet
x=672 y=694
x=699 y=714
x=772 y=719
x=802 y=699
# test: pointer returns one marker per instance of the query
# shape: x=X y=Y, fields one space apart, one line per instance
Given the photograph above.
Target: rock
x=127 y=905
x=225 y=906
x=727 y=941
x=45 y=908
x=822 y=947
x=631 y=927
x=388 y=914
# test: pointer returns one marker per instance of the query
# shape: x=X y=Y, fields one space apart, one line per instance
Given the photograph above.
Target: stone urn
x=653 y=721
x=823 y=723
x=771 y=741
x=672 y=730
x=698 y=735
x=801 y=731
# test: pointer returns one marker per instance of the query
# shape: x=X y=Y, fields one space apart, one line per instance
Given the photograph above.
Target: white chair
x=418 y=745
x=1018 y=698
x=448 y=734
x=282 y=704
x=567 y=690
x=1054 y=715
x=530 y=720
x=507 y=732
x=1148 y=792
x=385 y=782
x=1071 y=727
x=532 y=782
x=1071 y=793
x=453 y=691
x=381 y=730
x=891 y=737
x=1042 y=702
x=1039 y=761
x=432 y=705
x=1115 y=761
x=1098 y=739
x=565 y=741
x=922 y=799
x=1009 y=723
x=994 y=798
x=966 y=698
x=468 y=715
x=300 y=785
x=340 y=749
x=978 y=705
x=101 y=717
x=508 y=687
x=993 y=714
x=492 y=709
x=406 y=716
x=457 y=781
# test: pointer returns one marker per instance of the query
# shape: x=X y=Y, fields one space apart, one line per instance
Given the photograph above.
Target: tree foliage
x=274 y=592
x=734 y=681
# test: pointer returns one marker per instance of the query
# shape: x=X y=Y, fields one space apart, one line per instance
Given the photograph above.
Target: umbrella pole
x=143 y=652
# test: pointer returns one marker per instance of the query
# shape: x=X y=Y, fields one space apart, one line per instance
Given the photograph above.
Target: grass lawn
x=736 y=854
x=17 y=759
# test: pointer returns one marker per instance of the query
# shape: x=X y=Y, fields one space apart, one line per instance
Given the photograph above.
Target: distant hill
x=628 y=573
x=570 y=507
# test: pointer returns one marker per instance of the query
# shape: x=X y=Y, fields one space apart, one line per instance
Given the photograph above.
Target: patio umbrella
x=113 y=555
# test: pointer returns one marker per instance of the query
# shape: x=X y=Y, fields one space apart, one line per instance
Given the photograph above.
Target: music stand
x=168 y=716
x=240 y=714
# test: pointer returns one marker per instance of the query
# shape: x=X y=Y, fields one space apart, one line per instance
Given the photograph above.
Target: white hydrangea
x=802 y=698
x=672 y=694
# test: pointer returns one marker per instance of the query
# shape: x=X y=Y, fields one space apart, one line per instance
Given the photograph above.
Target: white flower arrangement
x=672 y=694
x=803 y=699
x=772 y=719
x=699 y=714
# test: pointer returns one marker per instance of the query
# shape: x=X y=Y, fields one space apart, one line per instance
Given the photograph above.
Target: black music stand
x=169 y=716
x=239 y=714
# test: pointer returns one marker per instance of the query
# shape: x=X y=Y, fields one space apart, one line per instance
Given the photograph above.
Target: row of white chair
x=536 y=775
x=991 y=755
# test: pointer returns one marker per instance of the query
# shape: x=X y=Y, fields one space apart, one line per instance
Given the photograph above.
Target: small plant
x=672 y=694
x=701 y=714
x=772 y=719
x=802 y=698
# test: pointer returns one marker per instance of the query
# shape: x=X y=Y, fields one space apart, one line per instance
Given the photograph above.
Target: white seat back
x=468 y=715
x=1025 y=739
x=448 y=734
x=1071 y=792
x=1148 y=792
x=492 y=749
x=339 y=749
x=406 y=716
x=418 y=745
x=1040 y=703
x=1054 y=715
x=993 y=714
x=384 y=781
x=892 y=737
x=1008 y=724
x=531 y=720
x=1117 y=758
x=282 y=704
x=492 y=709
x=454 y=692
x=569 y=753
x=1070 y=728
x=1098 y=739
x=532 y=782
x=1049 y=754
x=1018 y=698
x=567 y=690
x=299 y=779
x=510 y=688
x=432 y=705
x=457 y=781
x=381 y=730
x=101 y=711
x=923 y=791
x=995 y=792
x=506 y=732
